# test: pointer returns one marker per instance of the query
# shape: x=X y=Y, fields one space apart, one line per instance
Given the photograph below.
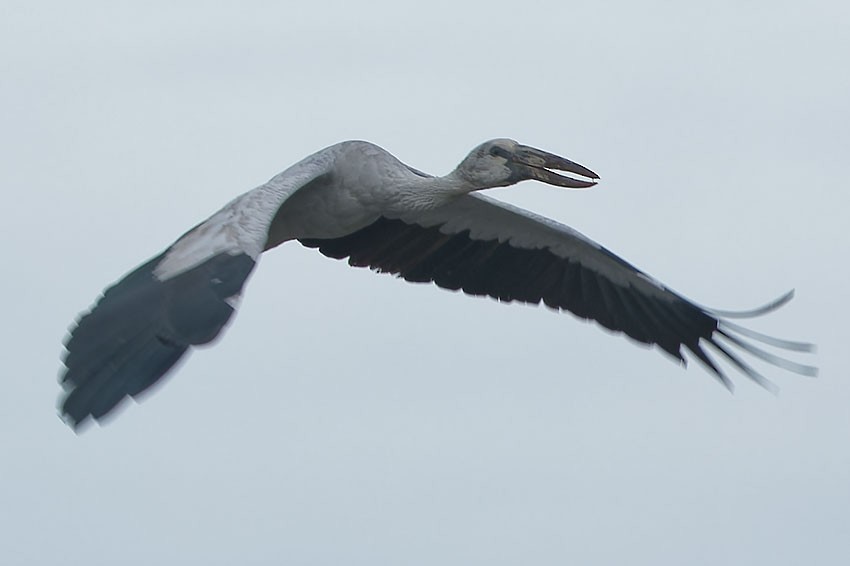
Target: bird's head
x=503 y=162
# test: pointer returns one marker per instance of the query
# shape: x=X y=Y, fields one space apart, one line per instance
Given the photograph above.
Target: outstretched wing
x=184 y=297
x=485 y=247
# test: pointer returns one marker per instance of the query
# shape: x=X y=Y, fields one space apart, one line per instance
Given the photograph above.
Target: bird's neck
x=426 y=193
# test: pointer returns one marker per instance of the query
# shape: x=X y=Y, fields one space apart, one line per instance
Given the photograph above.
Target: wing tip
x=739 y=338
x=767 y=308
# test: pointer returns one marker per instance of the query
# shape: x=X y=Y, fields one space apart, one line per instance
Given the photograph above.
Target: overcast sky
x=349 y=418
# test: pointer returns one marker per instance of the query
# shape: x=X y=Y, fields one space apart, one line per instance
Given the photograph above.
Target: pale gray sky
x=348 y=418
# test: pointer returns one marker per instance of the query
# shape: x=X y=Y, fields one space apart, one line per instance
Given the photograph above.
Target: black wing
x=141 y=327
x=484 y=247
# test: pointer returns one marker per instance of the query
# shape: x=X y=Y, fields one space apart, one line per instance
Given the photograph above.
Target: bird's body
x=366 y=181
x=356 y=200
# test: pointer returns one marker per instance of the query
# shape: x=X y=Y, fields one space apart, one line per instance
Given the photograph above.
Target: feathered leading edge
x=141 y=327
x=493 y=267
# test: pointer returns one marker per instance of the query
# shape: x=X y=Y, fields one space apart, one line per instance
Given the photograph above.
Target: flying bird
x=355 y=200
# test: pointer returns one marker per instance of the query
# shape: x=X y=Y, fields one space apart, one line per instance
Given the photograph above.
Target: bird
x=356 y=200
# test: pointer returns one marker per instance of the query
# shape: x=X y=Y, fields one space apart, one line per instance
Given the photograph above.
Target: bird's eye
x=497 y=151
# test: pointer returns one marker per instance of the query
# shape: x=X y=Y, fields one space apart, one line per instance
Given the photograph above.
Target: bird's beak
x=537 y=164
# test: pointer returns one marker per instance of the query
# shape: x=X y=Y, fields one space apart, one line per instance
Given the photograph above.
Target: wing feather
x=484 y=247
x=147 y=321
